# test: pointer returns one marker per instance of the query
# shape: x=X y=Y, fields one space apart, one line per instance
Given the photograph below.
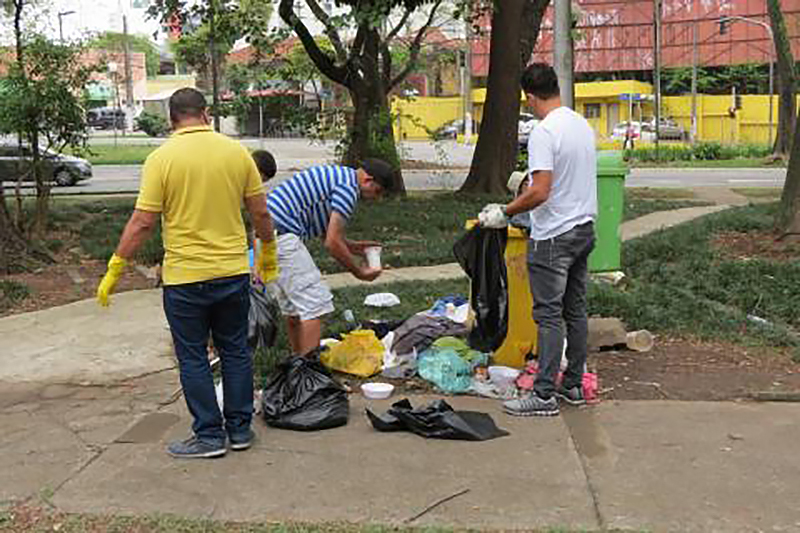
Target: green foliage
x=152 y=124
x=702 y=151
x=113 y=41
x=12 y=292
x=750 y=78
x=680 y=283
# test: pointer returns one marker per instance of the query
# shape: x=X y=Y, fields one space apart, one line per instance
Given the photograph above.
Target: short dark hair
x=186 y=103
x=265 y=163
x=381 y=171
x=540 y=80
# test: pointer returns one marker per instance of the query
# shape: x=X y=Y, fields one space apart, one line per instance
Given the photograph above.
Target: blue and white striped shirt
x=303 y=204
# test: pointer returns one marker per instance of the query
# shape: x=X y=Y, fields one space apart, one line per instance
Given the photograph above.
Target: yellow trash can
x=521 y=335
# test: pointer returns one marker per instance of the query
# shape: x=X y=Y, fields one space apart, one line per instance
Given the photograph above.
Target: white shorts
x=300 y=290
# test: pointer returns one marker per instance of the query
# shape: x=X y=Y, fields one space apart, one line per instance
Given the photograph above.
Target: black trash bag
x=481 y=253
x=263 y=320
x=303 y=396
x=436 y=420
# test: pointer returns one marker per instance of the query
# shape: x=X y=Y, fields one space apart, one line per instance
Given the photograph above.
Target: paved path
x=97 y=447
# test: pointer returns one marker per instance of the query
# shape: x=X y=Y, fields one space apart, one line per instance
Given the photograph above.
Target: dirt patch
x=756 y=245
x=416 y=164
x=682 y=370
x=65 y=283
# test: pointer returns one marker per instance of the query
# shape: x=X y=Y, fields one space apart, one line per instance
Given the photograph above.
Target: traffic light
x=723 y=26
x=737 y=101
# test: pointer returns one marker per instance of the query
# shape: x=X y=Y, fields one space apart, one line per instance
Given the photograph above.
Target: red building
x=617 y=35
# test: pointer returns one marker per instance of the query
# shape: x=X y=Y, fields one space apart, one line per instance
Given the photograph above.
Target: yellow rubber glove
x=267 y=260
x=115 y=267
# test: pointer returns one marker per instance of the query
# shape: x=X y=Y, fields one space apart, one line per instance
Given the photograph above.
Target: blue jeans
x=558 y=270
x=218 y=307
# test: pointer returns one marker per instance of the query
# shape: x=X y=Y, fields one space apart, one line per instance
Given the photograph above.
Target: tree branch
x=415 y=47
x=323 y=62
x=392 y=34
x=330 y=30
x=386 y=54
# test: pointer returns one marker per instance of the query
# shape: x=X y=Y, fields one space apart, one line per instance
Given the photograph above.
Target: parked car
x=668 y=129
x=454 y=128
x=63 y=170
x=641 y=131
x=106 y=118
x=525 y=126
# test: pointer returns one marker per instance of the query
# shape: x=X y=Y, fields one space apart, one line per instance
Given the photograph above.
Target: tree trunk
x=789 y=215
x=515 y=27
x=371 y=133
x=786 y=78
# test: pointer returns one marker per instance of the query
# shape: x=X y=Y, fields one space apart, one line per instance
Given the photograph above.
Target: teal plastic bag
x=445 y=369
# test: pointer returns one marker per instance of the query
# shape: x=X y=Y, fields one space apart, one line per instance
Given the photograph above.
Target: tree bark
x=789 y=214
x=787 y=80
x=515 y=28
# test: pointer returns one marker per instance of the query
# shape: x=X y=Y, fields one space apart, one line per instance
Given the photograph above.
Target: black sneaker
x=194 y=448
x=573 y=396
x=532 y=405
x=242 y=442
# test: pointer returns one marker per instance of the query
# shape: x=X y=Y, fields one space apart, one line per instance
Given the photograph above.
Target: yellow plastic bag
x=360 y=353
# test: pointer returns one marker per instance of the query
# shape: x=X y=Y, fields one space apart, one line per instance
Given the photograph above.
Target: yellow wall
x=751 y=124
x=416 y=114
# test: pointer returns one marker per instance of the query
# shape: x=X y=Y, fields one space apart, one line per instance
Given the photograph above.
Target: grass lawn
x=640 y=201
x=721 y=163
x=686 y=280
x=123 y=154
x=760 y=193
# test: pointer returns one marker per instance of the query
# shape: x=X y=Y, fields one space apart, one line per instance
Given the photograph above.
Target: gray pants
x=558 y=270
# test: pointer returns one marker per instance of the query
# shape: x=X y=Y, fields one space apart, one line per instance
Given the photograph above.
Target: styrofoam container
x=377 y=391
x=503 y=376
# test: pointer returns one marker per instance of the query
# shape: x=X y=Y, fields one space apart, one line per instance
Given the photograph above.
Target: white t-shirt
x=564 y=144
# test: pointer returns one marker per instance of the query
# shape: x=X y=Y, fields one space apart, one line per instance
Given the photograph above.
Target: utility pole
x=468 y=82
x=694 y=81
x=563 y=54
x=128 y=75
x=657 y=69
x=214 y=73
x=61 y=15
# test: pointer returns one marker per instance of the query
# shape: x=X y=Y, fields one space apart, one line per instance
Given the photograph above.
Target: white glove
x=493 y=216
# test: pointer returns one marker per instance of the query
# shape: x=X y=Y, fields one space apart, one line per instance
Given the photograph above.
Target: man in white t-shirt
x=562 y=198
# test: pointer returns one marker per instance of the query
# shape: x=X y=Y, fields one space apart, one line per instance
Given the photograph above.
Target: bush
x=152 y=124
x=702 y=151
x=12 y=292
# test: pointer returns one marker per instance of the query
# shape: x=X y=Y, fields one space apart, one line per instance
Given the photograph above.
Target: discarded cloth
x=303 y=396
x=419 y=332
x=359 y=353
x=590 y=383
x=381 y=327
x=473 y=357
x=445 y=369
x=440 y=306
x=481 y=253
x=436 y=420
x=382 y=299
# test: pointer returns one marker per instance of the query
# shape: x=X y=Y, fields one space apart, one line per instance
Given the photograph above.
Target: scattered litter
x=436 y=420
x=446 y=369
x=360 y=353
x=382 y=299
x=640 y=341
x=263 y=320
x=614 y=278
x=735 y=436
x=503 y=378
x=420 y=331
x=758 y=320
x=377 y=391
x=590 y=383
x=373 y=255
x=473 y=357
x=302 y=395
x=218 y=391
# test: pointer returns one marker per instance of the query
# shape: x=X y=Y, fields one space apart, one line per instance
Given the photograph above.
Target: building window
x=591 y=110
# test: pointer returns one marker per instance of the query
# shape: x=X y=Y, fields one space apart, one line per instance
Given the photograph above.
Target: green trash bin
x=611 y=173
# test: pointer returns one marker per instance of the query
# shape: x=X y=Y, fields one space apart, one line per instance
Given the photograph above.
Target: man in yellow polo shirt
x=196 y=183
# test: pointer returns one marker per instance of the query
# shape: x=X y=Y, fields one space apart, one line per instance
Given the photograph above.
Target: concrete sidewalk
x=651 y=465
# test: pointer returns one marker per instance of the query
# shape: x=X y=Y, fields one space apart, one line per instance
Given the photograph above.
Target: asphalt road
x=116 y=179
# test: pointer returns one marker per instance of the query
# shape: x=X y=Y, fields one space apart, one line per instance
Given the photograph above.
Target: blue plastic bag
x=446 y=369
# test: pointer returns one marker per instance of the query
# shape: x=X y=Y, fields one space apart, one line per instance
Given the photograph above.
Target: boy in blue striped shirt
x=318 y=202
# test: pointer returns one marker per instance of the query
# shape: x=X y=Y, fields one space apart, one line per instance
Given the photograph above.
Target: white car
x=641 y=132
x=525 y=126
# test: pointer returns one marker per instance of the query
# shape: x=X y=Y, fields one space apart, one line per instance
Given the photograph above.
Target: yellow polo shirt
x=198 y=180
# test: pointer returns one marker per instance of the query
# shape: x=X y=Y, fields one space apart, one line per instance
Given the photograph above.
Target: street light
x=61 y=15
x=724 y=23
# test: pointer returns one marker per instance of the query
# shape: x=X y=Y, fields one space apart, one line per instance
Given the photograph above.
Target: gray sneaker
x=194 y=448
x=241 y=442
x=573 y=396
x=531 y=405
